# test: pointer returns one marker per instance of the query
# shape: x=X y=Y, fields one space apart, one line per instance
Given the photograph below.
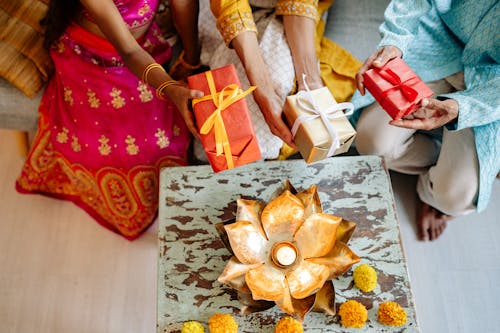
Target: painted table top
x=192 y=255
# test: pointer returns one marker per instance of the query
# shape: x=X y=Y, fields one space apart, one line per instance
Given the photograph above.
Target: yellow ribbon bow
x=222 y=100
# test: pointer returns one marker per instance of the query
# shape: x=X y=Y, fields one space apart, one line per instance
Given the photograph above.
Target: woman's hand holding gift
x=181 y=95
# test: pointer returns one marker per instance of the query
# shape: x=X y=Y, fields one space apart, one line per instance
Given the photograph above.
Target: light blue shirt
x=442 y=37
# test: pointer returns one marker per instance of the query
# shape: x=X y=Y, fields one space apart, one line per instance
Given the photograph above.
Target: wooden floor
x=61 y=272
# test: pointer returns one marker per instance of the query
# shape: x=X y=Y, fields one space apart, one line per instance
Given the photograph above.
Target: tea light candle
x=284 y=254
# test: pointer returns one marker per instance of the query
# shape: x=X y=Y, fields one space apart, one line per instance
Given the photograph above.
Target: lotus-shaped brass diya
x=287 y=252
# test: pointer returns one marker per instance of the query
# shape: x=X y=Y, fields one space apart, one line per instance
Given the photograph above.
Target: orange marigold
x=391 y=313
x=365 y=277
x=222 y=323
x=288 y=325
x=353 y=314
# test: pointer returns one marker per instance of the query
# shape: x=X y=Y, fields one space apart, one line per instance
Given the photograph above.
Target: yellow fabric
x=235 y=16
x=337 y=66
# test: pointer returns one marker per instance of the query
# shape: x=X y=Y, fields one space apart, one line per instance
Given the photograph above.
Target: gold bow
x=222 y=100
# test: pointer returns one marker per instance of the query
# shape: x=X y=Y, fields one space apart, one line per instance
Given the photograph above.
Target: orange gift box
x=396 y=88
x=223 y=119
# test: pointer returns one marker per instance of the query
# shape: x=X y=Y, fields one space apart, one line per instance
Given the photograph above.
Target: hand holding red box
x=222 y=116
x=396 y=88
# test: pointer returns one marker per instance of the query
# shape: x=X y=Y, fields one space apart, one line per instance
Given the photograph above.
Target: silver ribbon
x=306 y=102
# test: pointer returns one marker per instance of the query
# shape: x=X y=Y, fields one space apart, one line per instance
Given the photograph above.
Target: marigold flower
x=392 y=314
x=222 y=323
x=288 y=325
x=365 y=277
x=192 y=327
x=353 y=314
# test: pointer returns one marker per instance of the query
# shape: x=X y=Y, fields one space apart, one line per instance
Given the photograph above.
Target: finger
x=192 y=128
x=412 y=124
x=359 y=84
x=282 y=131
x=196 y=93
x=366 y=66
x=424 y=102
x=386 y=54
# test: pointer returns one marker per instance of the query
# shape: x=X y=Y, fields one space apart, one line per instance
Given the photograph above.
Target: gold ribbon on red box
x=222 y=100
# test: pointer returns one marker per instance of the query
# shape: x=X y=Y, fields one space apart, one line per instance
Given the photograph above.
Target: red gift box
x=222 y=116
x=396 y=88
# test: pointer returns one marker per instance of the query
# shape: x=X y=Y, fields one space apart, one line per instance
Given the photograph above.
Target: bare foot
x=430 y=221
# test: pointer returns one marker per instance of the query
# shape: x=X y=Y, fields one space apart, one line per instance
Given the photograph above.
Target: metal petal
x=283 y=215
x=219 y=227
x=306 y=279
x=310 y=199
x=246 y=242
x=325 y=299
x=239 y=284
x=249 y=305
x=267 y=283
x=338 y=261
x=316 y=236
x=345 y=230
x=235 y=269
x=250 y=210
x=285 y=303
x=288 y=186
x=302 y=306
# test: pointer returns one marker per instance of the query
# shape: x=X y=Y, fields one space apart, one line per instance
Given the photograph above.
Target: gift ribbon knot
x=405 y=86
x=306 y=101
x=222 y=100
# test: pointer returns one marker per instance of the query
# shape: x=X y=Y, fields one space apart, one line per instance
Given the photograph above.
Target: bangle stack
x=163 y=86
x=148 y=69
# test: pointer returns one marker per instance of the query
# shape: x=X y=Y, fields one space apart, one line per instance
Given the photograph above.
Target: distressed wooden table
x=192 y=256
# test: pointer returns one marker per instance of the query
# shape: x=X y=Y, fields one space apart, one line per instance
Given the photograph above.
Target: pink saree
x=103 y=135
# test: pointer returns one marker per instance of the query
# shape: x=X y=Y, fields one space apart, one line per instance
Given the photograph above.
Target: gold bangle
x=148 y=68
x=163 y=86
x=185 y=64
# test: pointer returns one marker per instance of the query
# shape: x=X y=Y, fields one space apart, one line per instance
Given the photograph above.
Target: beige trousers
x=446 y=161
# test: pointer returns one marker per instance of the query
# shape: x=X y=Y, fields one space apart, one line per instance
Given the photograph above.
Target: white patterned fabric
x=276 y=54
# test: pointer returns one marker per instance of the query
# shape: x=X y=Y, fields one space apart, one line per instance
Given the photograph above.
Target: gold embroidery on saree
x=118 y=101
x=62 y=137
x=94 y=102
x=104 y=147
x=144 y=10
x=75 y=145
x=68 y=95
x=117 y=194
x=132 y=148
x=163 y=140
x=146 y=186
x=176 y=130
x=145 y=93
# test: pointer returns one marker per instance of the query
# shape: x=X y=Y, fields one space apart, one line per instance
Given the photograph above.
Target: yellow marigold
x=288 y=325
x=391 y=313
x=222 y=323
x=192 y=327
x=365 y=277
x=353 y=314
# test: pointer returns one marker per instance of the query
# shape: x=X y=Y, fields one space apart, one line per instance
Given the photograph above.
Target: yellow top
x=235 y=16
